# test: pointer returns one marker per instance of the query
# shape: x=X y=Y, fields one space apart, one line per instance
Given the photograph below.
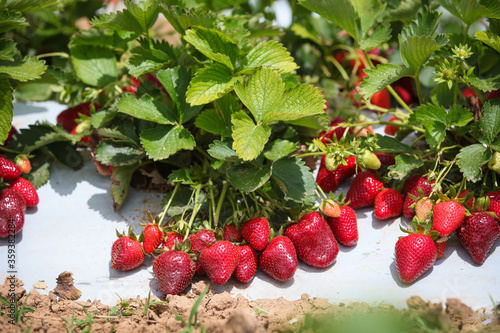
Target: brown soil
x=225 y=313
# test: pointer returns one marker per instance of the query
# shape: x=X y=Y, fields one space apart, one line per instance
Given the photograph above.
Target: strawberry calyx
x=423 y=228
x=130 y=233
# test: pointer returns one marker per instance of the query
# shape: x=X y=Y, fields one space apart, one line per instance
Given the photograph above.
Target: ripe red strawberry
x=363 y=190
x=256 y=232
x=12 y=209
x=345 y=227
x=494 y=202
x=174 y=271
x=326 y=137
x=26 y=189
x=403 y=93
x=411 y=186
x=199 y=241
x=330 y=180
x=423 y=208
x=231 y=233
x=247 y=266
x=153 y=238
x=126 y=254
x=382 y=99
x=386 y=159
x=279 y=259
x=23 y=163
x=447 y=216
x=388 y=203
x=170 y=239
x=440 y=247
x=67 y=117
x=219 y=261
x=313 y=240
x=415 y=254
x=469 y=202
x=8 y=169
x=478 y=233
x=391 y=129
x=330 y=208
x=13 y=131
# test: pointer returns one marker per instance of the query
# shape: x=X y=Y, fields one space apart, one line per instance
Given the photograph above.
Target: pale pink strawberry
x=411 y=188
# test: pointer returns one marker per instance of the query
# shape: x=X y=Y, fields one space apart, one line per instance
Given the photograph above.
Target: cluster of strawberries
x=17 y=194
x=238 y=251
x=435 y=217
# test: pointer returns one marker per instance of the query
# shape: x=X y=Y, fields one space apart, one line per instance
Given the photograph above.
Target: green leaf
x=381 y=35
x=279 y=149
x=459 y=116
x=176 y=81
x=404 y=165
x=487 y=127
x=163 y=141
x=7 y=49
x=415 y=51
x=101 y=118
x=181 y=176
x=318 y=122
x=117 y=153
x=25 y=69
x=249 y=139
x=269 y=54
x=138 y=18
x=6 y=109
x=294 y=179
x=10 y=20
x=428 y=113
x=392 y=145
x=183 y=18
x=435 y=132
x=485 y=84
x=147 y=108
x=95 y=66
x=115 y=133
x=213 y=44
x=211 y=121
x=471 y=159
x=489 y=38
x=40 y=170
x=25 y=5
x=222 y=150
x=120 y=183
x=381 y=76
x=425 y=24
x=151 y=56
x=210 y=83
x=469 y=11
x=246 y=177
x=405 y=11
x=65 y=152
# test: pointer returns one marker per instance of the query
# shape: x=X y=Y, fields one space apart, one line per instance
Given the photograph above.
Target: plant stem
x=53 y=54
x=162 y=215
x=195 y=209
x=219 y=204
x=419 y=88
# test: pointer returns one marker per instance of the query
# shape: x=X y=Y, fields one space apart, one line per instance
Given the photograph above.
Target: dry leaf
x=65 y=288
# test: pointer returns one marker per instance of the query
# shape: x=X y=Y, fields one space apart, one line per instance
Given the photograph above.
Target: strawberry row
x=238 y=251
x=435 y=216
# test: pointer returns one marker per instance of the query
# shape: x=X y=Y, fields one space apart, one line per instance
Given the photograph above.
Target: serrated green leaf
x=392 y=145
x=114 y=133
x=485 y=84
x=294 y=179
x=381 y=76
x=469 y=11
x=65 y=152
x=94 y=37
x=210 y=83
x=138 y=18
x=269 y=54
x=213 y=44
x=95 y=66
x=183 y=18
x=7 y=49
x=404 y=165
x=211 y=121
x=425 y=24
x=11 y=19
x=25 y=5
x=305 y=33
x=163 y=141
x=279 y=149
x=181 y=176
x=247 y=178
x=176 y=81
x=381 y=35
x=103 y=117
x=147 y=108
x=415 y=51
x=459 y=116
x=25 y=69
x=489 y=38
x=428 y=113
x=249 y=138
x=435 y=132
x=6 y=109
x=117 y=153
x=316 y=122
x=405 y=11
x=493 y=7
x=487 y=127
x=151 y=56
x=222 y=150
x=342 y=13
x=120 y=183
x=471 y=159
x=40 y=171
